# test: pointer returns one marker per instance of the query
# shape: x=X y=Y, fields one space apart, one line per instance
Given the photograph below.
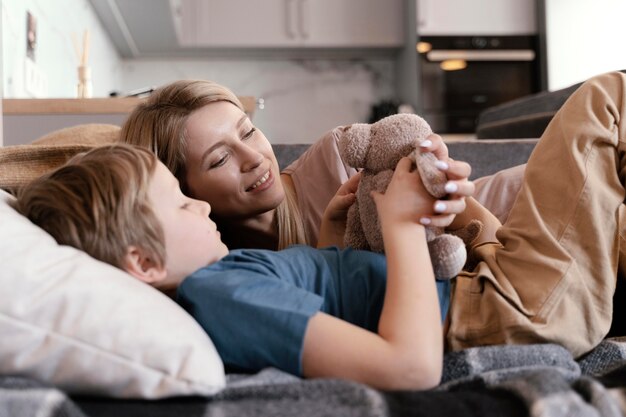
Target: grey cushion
x=486 y=157
x=526 y=117
x=287 y=153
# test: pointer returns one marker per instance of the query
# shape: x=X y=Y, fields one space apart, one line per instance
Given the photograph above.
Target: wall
x=303 y=98
x=1 y=76
x=584 y=38
x=54 y=52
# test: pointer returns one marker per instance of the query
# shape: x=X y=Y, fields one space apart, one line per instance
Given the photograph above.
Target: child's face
x=191 y=238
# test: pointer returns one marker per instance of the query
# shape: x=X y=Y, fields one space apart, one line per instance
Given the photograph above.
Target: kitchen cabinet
x=476 y=17
x=289 y=23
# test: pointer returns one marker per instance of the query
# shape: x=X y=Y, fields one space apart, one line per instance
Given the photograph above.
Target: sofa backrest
x=485 y=156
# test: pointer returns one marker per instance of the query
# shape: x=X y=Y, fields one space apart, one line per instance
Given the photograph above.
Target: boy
x=316 y=313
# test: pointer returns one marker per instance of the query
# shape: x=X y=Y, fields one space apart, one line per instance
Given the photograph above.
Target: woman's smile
x=263 y=183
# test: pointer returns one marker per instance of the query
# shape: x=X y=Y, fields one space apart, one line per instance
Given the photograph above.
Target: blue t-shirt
x=255 y=304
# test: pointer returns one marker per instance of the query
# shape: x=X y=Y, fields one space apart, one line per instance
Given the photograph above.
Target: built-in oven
x=462 y=75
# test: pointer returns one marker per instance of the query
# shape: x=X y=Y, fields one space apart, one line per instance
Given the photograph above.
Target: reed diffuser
x=84 y=88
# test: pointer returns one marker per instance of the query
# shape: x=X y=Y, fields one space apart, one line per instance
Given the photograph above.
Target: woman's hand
x=333 y=225
x=459 y=186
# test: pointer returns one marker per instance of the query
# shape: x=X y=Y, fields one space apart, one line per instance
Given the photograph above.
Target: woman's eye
x=219 y=162
x=249 y=134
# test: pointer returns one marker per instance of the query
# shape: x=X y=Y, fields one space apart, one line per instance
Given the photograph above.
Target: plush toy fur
x=377 y=148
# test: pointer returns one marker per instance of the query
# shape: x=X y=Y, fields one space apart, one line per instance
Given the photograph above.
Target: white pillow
x=90 y=328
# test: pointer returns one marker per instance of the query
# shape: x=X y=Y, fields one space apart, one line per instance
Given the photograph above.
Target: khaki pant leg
x=553 y=276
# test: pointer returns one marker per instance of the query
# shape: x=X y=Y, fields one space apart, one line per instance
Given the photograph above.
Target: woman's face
x=230 y=163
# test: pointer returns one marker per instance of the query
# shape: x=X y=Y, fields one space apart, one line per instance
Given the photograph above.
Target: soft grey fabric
x=21 y=397
x=525 y=117
x=529 y=380
x=522 y=118
x=486 y=156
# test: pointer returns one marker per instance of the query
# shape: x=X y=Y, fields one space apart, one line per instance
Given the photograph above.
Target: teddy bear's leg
x=369 y=213
x=355 y=237
x=448 y=256
x=468 y=234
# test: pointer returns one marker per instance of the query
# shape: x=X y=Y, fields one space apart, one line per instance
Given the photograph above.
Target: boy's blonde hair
x=158 y=123
x=98 y=202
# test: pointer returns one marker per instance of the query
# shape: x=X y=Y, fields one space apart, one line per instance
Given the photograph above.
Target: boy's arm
x=407 y=351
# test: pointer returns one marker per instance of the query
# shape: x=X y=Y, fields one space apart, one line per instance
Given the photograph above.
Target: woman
x=200 y=131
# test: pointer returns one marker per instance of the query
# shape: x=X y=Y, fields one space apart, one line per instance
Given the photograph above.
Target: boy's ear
x=143 y=267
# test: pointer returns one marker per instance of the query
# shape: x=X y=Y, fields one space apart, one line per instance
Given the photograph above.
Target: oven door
x=458 y=84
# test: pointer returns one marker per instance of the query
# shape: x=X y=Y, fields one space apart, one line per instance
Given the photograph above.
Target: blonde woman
x=200 y=131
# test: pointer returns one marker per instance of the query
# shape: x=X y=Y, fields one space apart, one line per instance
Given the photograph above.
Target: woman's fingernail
x=451 y=187
x=425 y=221
x=442 y=165
x=426 y=143
x=440 y=207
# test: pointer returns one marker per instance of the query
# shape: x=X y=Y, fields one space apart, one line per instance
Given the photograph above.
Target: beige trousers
x=551 y=277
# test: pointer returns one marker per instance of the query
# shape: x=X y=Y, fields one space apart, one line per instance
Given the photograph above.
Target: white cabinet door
x=290 y=23
x=352 y=23
x=476 y=17
x=247 y=23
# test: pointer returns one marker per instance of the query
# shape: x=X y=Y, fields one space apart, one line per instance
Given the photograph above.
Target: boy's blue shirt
x=255 y=304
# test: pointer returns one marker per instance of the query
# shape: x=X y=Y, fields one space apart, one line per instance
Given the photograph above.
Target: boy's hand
x=406 y=200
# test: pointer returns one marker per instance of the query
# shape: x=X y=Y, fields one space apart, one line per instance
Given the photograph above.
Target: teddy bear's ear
x=354 y=143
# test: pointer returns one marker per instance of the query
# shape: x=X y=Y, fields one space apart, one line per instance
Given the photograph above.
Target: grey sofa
x=486 y=156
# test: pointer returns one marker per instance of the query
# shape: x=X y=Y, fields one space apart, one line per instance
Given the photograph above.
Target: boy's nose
x=206 y=207
x=202 y=207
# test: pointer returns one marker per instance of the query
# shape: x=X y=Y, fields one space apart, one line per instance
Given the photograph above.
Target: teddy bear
x=377 y=148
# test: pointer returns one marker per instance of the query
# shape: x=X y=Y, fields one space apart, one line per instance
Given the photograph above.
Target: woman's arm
x=407 y=351
x=333 y=227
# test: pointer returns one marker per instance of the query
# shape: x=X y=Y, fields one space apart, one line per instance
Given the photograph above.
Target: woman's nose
x=251 y=159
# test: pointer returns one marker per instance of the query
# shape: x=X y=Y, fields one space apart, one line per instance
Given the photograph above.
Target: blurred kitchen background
x=315 y=64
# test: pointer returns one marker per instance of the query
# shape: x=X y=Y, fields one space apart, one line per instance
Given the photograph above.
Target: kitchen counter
x=27 y=119
x=25 y=106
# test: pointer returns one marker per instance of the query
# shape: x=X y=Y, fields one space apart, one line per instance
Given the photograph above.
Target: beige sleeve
x=317 y=175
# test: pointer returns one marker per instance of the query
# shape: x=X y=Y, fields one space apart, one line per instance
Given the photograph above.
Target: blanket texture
x=23 y=397
x=533 y=380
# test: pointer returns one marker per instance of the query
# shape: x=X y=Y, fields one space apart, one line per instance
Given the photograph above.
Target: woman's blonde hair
x=159 y=122
x=98 y=202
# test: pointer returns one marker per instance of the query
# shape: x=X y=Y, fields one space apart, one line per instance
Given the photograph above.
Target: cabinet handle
x=290 y=18
x=303 y=18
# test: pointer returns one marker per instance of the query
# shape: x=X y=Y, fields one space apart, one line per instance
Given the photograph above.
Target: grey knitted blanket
x=534 y=380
